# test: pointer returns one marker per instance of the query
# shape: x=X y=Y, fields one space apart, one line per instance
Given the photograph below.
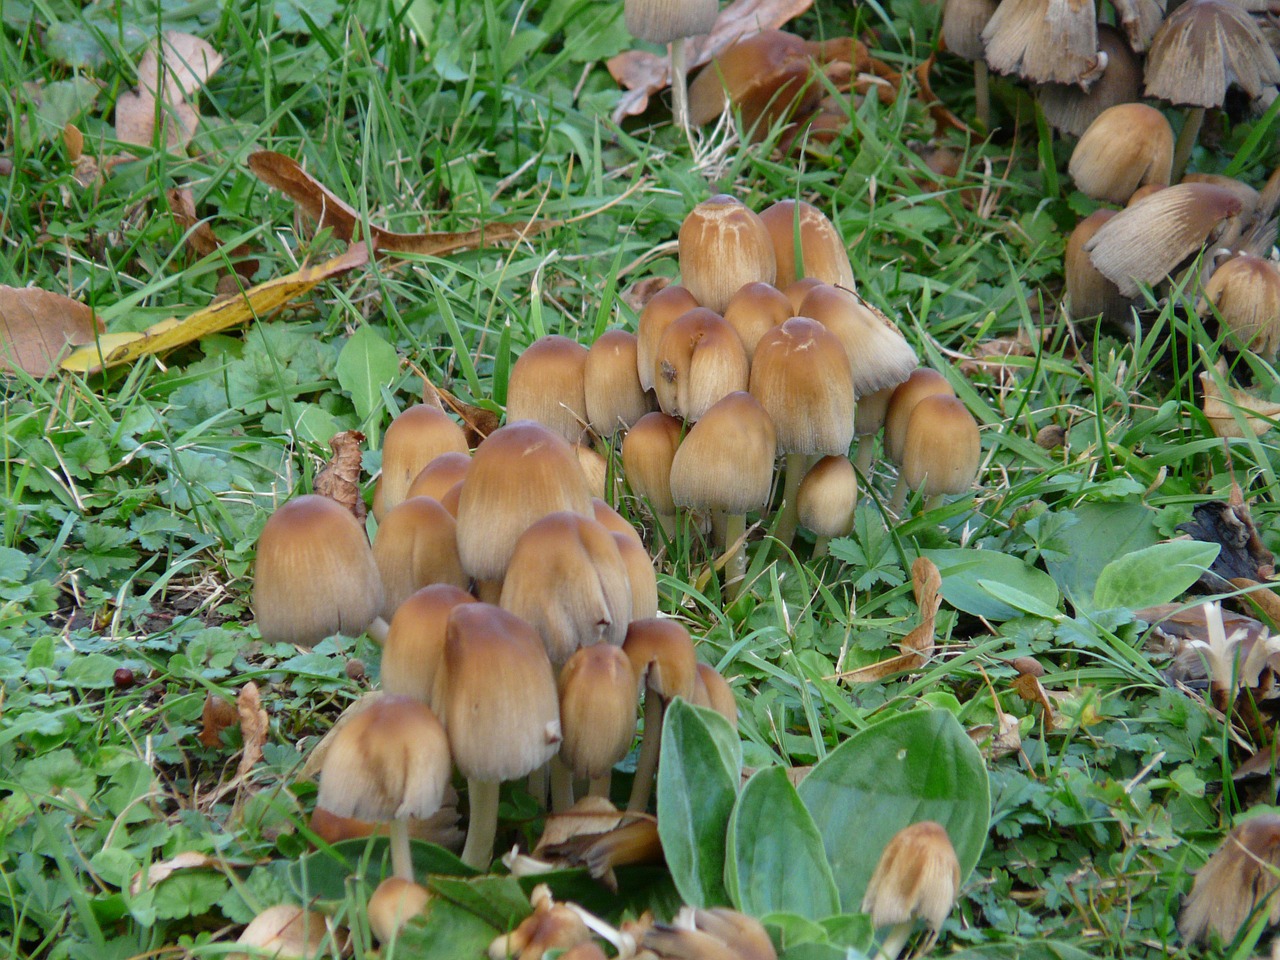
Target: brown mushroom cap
x=662 y=657
x=1245 y=293
x=724 y=246
x=1202 y=48
x=1089 y=293
x=828 y=497
x=597 y=709
x=962 y=24
x=726 y=461
x=1238 y=878
x=663 y=308
x=394 y=903
x=415 y=438
x=1145 y=242
x=700 y=359
x=314 y=574
x=661 y=21
x=794 y=223
x=1140 y=20
x=879 y=356
x=548 y=385
x=389 y=762
x=500 y=703
x=615 y=398
x=711 y=690
x=923 y=382
x=801 y=376
x=754 y=309
x=918 y=875
x=285 y=931
x=416 y=545
x=1071 y=110
x=437 y=477
x=415 y=642
x=766 y=76
x=943 y=448
x=519 y=474
x=648 y=451
x=640 y=573
x=1125 y=147
x=567 y=580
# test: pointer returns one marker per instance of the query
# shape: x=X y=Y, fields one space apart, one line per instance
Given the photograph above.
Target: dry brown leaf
x=340 y=478
x=1266 y=599
x=254 y=303
x=926 y=582
x=477 y=422
x=73 y=139
x=590 y=816
x=1000 y=739
x=164 y=84
x=254 y=726
x=137 y=113
x=200 y=236
x=1029 y=688
x=37 y=326
x=1221 y=410
x=218 y=714
x=642 y=291
x=635 y=841
x=187 y=860
x=320 y=204
x=643 y=73
x=989 y=356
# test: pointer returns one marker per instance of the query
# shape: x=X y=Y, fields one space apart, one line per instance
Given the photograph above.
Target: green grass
x=132 y=500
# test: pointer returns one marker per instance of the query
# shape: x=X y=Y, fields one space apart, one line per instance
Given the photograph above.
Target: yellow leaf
x=265 y=298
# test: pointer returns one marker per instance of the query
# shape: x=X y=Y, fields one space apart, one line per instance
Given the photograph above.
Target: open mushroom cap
x=314 y=574
x=1071 y=110
x=1044 y=41
x=1202 y=48
x=1145 y=242
x=962 y=24
x=661 y=21
x=879 y=356
x=1239 y=876
x=390 y=761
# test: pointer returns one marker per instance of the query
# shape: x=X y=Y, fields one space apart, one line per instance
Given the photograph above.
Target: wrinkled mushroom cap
x=1202 y=48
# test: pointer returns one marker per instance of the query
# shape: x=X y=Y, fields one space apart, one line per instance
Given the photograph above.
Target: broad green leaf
x=1101 y=531
x=911 y=767
x=697 y=785
x=775 y=860
x=499 y=901
x=963 y=571
x=366 y=364
x=91 y=671
x=1037 y=950
x=446 y=930
x=1158 y=574
x=323 y=874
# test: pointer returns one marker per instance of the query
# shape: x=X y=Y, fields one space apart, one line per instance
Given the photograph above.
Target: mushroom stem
x=982 y=94
x=600 y=786
x=680 y=89
x=935 y=502
x=820 y=546
x=894 y=941
x=865 y=458
x=561 y=786
x=900 y=491
x=789 y=518
x=1187 y=138
x=647 y=762
x=401 y=855
x=483 y=825
x=735 y=561
x=378 y=630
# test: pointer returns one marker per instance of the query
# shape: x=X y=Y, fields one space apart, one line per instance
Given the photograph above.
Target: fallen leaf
x=643 y=73
x=218 y=714
x=1000 y=739
x=200 y=237
x=642 y=291
x=188 y=64
x=477 y=422
x=340 y=478
x=1029 y=688
x=1226 y=412
x=73 y=139
x=926 y=582
x=590 y=816
x=187 y=860
x=36 y=326
x=323 y=206
x=254 y=727
x=989 y=356
x=1241 y=553
x=635 y=841
x=256 y=302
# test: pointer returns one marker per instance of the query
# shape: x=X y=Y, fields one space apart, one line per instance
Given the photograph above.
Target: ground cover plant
x=984 y=659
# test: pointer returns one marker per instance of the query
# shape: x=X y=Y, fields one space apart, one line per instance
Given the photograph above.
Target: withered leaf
x=340 y=478
x=998 y=739
x=164 y=83
x=254 y=726
x=477 y=422
x=323 y=206
x=200 y=236
x=644 y=73
x=1029 y=688
x=187 y=860
x=1241 y=552
x=642 y=291
x=1227 y=411
x=926 y=582
x=218 y=714
x=37 y=326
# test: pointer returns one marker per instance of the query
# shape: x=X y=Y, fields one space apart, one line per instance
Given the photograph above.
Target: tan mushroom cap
x=416 y=437
x=284 y=931
x=500 y=702
x=416 y=546
x=1145 y=242
x=711 y=690
x=648 y=451
x=726 y=461
x=661 y=21
x=723 y=246
x=1089 y=293
x=1203 y=47
x=314 y=574
x=879 y=356
x=923 y=382
x=414 y=647
x=1239 y=877
x=822 y=248
x=1071 y=110
x=1125 y=147
x=962 y=24
x=567 y=580
x=641 y=575
x=662 y=657
x=519 y=474
x=437 y=477
x=828 y=497
x=802 y=378
x=755 y=309
x=943 y=449
x=918 y=875
x=1245 y=293
x=700 y=359
x=615 y=398
x=389 y=762
x=393 y=904
x=597 y=709
x=659 y=313
x=548 y=385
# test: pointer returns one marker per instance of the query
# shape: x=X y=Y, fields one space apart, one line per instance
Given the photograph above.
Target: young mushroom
x=917 y=877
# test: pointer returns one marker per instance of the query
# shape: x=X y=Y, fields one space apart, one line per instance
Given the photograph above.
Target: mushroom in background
x=672 y=22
